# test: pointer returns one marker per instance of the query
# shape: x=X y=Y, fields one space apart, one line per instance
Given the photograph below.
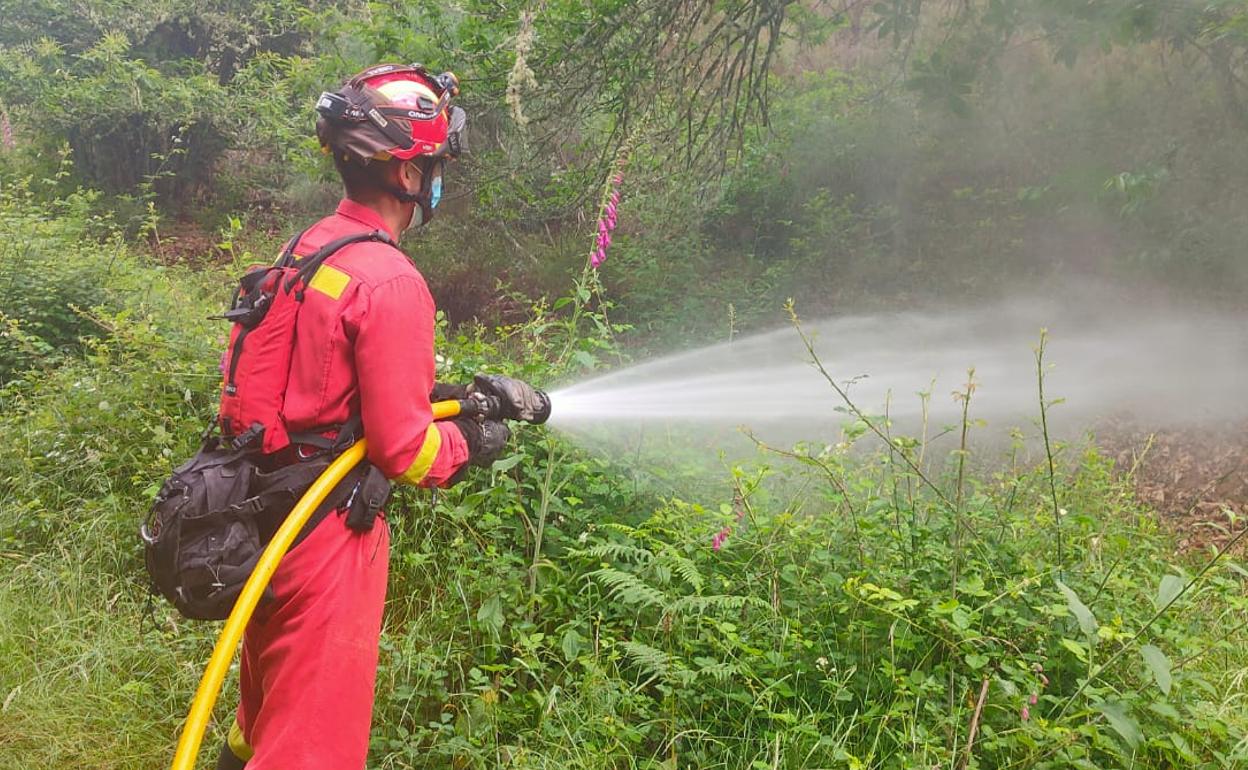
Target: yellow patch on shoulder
x=329 y=281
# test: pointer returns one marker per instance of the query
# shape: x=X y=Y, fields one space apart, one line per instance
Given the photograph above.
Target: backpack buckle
x=250 y=506
x=247 y=437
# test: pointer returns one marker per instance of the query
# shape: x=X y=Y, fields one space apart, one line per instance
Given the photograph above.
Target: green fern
x=652 y=660
x=615 y=552
x=685 y=568
x=700 y=605
x=623 y=529
x=629 y=588
x=719 y=670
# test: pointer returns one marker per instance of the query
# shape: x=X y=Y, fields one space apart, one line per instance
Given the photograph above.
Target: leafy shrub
x=136 y=376
x=52 y=267
x=132 y=128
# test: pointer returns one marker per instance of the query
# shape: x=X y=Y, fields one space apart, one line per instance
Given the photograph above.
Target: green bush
x=55 y=258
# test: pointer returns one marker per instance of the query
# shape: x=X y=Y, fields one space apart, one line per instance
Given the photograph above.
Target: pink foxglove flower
x=608 y=210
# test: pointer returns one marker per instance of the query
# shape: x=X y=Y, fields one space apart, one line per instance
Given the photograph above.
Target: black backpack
x=213 y=517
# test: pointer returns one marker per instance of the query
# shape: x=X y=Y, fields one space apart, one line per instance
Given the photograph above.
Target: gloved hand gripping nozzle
x=494 y=397
x=487 y=404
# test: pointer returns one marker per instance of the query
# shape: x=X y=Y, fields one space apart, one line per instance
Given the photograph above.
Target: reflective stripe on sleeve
x=420 y=466
x=238 y=744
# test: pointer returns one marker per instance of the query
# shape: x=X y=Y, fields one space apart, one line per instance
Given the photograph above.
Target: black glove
x=485 y=439
x=445 y=391
x=517 y=400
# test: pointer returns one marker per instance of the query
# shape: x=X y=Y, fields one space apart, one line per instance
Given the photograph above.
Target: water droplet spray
x=1108 y=357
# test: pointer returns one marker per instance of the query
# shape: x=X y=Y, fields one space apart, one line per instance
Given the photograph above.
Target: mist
x=1100 y=200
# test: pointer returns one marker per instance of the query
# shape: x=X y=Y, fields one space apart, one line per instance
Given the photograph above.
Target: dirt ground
x=1196 y=478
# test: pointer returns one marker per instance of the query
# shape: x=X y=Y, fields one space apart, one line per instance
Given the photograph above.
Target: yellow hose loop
x=232 y=633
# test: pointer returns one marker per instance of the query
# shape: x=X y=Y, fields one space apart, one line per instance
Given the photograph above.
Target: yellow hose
x=214 y=675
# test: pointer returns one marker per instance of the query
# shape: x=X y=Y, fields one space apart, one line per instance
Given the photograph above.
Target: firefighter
x=363 y=350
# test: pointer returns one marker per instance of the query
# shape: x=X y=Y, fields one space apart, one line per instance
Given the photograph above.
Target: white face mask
x=416 y=219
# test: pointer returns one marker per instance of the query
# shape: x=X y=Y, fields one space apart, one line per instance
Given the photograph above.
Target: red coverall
x=364 y=345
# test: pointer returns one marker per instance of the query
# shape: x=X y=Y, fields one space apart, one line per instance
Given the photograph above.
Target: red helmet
x=393 y=111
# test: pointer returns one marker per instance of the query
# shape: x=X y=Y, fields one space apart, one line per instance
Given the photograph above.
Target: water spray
x=1167 y=366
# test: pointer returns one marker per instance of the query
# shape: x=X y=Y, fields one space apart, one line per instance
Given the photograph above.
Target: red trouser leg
x=309 y=657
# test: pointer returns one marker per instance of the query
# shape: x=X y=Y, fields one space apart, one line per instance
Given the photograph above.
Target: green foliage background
x=566 y=608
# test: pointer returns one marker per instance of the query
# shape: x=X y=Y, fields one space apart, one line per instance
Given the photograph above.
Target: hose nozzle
x=494 y=397
x=543 y=412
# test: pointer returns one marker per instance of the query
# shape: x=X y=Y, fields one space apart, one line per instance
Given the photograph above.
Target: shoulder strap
x=288 y=254
x=347 y=434
x=253 y=278
x=308 y=265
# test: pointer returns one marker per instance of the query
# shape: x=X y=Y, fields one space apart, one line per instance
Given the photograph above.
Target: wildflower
x=1044 y=680
x=1032 y=700
x=1025 y=714
x=722 y=535
x=608 y=211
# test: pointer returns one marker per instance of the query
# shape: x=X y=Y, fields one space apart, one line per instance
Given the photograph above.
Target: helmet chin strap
x=424 y=208
x=403 y=195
